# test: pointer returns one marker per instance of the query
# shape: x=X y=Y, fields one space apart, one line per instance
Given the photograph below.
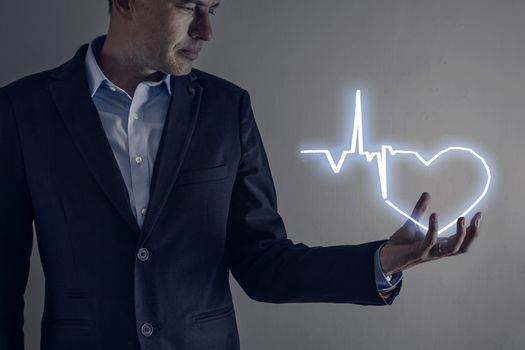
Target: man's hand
x=408 y=246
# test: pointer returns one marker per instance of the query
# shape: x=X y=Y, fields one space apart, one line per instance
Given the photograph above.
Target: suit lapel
x=176 y=135
x=70 y=92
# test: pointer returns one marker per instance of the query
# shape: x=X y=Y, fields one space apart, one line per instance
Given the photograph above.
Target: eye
x=187 y=9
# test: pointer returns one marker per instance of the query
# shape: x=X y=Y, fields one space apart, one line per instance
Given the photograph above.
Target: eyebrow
x=200 y=3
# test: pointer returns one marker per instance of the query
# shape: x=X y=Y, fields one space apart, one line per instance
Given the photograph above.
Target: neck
x=115 y=61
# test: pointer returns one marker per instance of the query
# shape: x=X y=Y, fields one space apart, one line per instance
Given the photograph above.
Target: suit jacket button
x=143 y=254
x=191 y=90
x=146 y=329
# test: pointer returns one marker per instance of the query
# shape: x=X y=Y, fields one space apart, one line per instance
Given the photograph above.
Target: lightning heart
x=381 y=157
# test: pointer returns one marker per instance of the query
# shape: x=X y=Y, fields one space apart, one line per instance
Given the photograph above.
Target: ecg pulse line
x=356 y=147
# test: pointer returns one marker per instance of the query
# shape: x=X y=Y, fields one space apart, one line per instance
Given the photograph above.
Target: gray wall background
x=430 y=72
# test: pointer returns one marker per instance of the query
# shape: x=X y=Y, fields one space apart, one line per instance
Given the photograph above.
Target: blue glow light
x=380 y=157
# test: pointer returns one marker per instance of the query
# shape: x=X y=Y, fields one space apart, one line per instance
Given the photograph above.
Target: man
x=148 y=182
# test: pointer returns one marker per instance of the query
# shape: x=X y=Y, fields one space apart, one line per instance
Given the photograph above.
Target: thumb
x=421 y=206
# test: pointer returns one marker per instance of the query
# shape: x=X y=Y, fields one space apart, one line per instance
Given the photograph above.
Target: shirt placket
x=138 y=153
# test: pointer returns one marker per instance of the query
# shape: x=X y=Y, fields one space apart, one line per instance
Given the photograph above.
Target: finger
x=472 y=233
x=438 y=250
x=421 y=206
x=432 y=234
x=456 y=240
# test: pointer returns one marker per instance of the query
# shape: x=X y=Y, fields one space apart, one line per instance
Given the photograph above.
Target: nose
x=200 y=27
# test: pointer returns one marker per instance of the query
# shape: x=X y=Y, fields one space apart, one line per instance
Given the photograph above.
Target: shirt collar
x=96 y=77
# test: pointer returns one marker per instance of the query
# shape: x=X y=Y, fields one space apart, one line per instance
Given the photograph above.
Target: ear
x=123 y=7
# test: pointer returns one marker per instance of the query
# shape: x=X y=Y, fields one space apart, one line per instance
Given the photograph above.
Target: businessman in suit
x=147 y=183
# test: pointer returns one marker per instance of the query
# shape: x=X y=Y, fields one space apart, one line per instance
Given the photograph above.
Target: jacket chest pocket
x=191 y=176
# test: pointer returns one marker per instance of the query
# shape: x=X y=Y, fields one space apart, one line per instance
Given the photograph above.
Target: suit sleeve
x=16 y=231
x=269 y=266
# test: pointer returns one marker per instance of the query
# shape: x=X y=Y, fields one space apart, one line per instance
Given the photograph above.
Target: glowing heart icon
x=381 y=160
x=427 y=163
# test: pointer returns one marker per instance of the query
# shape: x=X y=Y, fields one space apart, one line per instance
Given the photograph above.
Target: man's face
x=167 y=35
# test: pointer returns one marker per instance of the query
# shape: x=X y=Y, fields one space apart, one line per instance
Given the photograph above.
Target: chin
x=179 y=68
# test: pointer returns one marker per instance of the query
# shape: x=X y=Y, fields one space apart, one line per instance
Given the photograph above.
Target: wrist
x=385 y=262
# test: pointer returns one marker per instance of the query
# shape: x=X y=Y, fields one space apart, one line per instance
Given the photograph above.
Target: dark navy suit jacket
x=212 y=209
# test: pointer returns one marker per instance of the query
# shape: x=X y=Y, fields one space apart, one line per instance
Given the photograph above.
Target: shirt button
x=135 y=116
x=143 y=254
x=112 y=88
x=138 y=159
x=146 y=329
x=143 y=211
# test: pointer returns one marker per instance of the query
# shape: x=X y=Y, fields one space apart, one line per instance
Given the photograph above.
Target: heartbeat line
x=380 y=158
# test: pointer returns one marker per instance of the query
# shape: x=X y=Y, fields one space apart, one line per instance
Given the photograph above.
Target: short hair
x=110 y=6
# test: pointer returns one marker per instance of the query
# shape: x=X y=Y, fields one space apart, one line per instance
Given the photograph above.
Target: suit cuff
x=384 y=283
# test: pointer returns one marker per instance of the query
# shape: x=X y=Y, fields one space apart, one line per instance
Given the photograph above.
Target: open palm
x=409 y=246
